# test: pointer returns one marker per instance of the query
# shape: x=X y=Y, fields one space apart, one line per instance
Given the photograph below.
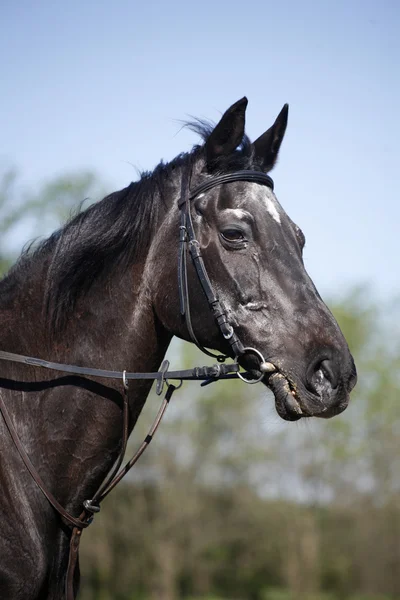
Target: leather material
x=187 y=240
x=198 y=373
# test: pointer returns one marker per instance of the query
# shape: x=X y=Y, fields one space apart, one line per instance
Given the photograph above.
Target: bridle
x=188 y=238
x=187 y=243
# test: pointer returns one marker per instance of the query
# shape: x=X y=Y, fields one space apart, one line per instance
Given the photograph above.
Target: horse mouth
x=287 y=401
x=291 y=406
x=294 y=401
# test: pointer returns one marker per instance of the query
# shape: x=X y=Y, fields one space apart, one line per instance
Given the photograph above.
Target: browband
x=208 y=184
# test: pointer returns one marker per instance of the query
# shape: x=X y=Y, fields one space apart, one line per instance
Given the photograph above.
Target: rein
x=187 y=244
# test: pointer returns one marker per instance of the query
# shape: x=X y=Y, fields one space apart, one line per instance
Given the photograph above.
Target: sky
x=104 y=86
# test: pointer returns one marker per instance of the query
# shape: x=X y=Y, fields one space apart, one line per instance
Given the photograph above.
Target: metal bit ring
x=260 y=356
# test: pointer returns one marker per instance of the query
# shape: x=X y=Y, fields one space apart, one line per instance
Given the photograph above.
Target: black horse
x=103 y=292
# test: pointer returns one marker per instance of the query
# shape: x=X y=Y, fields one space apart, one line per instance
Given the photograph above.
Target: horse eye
x=232 y=235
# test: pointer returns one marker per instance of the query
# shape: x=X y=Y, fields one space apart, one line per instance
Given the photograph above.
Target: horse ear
x=266 y=147
x=228 y=133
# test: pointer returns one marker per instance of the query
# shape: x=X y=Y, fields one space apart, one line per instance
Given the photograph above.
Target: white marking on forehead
x=271 y=203
x=267 y=197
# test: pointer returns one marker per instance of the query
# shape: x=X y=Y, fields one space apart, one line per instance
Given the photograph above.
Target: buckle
x=92 y=508
x=160 y=382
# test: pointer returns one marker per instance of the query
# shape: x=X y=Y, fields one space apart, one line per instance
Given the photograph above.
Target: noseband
x=187 y=240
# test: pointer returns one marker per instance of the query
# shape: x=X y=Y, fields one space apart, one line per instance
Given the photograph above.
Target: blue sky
x=103 y=85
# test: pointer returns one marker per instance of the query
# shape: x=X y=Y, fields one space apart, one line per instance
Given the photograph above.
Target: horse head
x=253 y=254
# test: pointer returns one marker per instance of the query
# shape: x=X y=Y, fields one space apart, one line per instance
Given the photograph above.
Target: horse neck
x=71 y=432
x=114 y=327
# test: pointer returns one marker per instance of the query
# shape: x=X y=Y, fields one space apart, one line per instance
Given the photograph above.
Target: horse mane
x=109 y=235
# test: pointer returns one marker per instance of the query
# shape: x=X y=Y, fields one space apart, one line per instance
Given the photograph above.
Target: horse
x=103 y=292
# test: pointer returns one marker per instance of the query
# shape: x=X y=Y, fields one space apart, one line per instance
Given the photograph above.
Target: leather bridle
x=187 y=243
x=187 y=238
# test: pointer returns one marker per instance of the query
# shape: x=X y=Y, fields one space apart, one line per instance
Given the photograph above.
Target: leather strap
x=35 y=475
x=197 y=373
x=187 y=238
x=74 y=543
x=93 y=505
x=107 y=487
x=250 y=176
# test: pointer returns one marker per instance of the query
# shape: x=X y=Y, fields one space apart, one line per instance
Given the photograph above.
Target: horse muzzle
x=324 y=392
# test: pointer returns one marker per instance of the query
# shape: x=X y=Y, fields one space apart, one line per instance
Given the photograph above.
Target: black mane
x=111 y=233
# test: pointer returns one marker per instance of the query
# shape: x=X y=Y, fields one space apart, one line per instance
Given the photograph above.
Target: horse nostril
x=328 y=369
x=322 y=376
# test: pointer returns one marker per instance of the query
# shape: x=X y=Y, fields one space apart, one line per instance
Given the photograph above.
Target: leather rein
x=187 y=244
